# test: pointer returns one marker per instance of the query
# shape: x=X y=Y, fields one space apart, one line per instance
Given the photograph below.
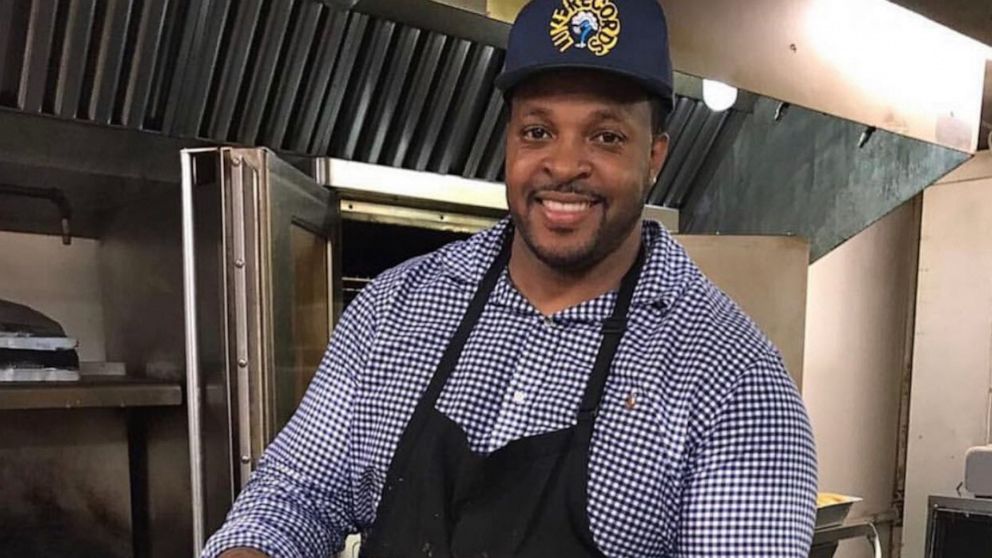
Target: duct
x=805 y=175
x=406 y=84
x=970 y=18
x=856 y=59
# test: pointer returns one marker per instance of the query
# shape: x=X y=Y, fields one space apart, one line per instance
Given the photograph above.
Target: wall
x=952 y=362
x=766 y=276
x=859 y=304
x=59 y=281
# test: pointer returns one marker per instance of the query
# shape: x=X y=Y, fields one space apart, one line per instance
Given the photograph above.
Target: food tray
x=832 y=509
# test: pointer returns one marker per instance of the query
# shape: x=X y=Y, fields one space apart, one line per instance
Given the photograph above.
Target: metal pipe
x=193 y=392
x=53 y=195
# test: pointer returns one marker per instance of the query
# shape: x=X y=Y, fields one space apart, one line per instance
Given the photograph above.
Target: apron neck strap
x=475 y=308
x=613 y=330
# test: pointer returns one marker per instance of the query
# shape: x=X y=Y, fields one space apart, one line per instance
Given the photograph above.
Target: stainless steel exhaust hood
x=400 y=83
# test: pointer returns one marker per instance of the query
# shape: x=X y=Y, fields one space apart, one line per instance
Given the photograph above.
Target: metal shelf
x=90 y=393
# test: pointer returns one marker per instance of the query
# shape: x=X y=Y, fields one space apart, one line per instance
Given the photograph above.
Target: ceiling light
x=718 y=95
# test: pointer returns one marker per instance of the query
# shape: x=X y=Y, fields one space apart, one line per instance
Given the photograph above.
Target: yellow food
x=824 y=499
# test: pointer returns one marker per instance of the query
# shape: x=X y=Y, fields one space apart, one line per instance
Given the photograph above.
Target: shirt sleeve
x=751 y=490
x=298 y=502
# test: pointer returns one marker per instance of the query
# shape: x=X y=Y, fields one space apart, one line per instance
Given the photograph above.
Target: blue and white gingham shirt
x=702 y=446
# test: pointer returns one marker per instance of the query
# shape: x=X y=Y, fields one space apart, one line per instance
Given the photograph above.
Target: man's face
x=580 y=158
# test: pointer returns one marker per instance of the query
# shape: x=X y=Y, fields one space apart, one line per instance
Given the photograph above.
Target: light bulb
x=718 y=95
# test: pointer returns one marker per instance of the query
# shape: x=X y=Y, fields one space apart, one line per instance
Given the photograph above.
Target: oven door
x=260 y=246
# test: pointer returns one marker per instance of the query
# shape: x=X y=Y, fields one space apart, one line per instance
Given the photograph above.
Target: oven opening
x=368 y=249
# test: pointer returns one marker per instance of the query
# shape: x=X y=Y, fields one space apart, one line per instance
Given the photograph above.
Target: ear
x=659 y=152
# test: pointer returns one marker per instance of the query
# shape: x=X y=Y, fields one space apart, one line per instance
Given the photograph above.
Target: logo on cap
x=593 y=25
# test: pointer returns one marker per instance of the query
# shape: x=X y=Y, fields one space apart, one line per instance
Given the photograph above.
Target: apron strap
x=454 y=350
x=613 y=330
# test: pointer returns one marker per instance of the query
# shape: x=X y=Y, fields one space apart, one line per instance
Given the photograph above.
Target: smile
x=566 y=207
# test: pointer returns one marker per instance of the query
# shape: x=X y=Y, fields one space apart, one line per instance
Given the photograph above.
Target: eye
x=609 y=138
x=536 y=133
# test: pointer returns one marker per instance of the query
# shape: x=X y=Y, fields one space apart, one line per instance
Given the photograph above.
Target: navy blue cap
x=623 y=37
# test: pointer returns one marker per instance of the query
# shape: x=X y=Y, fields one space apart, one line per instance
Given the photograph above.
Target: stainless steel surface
x=484 y=63
x=377 y=184
x=965 y=16
x=214 y=344
x=233 y=71
x=423 y=75
x=316 y=85
x=37 y=49
x=366 y=80
x=408 y=216
x=108 y=66
x=244 y=204
x=89 y=393
x=701 y=148
x=331 y=106
x=433 y=16
x=494 y=110
x=301 y=41
x=438 y=104
x=139 y=84
x=193 y=380
x=948 y=510
x=286 y=198
x=355 y=179
x=240 y=171
x=388 y=103
x=307 y=78
x=833 y=515
x=830 y=535
x=261 y=82
x=857 y=62
x=197 y=62
x=73 y=57
x=53 y=195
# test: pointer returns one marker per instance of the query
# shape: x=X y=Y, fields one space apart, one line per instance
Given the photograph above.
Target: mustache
x=571 y=187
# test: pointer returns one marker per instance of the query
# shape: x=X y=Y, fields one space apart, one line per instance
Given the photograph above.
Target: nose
x=567 y=161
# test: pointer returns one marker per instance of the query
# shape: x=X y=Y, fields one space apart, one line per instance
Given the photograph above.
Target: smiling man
x=565 y=384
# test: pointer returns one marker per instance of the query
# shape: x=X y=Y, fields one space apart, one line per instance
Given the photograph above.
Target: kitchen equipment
x=33 y=347
x=959 y=528
x=832 y=509
x=978 y=471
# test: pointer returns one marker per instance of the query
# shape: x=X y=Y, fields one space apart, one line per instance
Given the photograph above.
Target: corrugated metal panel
x=37 y=52
x=343 y=69
x=362 y=89
x=147 y=37
x=110 y=58
x=297 y=75
x=301 y=43
x=330 y=39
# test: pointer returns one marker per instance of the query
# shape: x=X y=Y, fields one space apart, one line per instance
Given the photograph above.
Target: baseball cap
x=624 y=37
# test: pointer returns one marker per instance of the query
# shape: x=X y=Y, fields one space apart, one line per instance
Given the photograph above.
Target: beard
x=616 y=222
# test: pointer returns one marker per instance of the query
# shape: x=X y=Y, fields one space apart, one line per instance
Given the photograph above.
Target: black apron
x=526 y=499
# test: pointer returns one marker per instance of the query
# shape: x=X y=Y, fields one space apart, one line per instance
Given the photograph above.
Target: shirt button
x=519 y=397
x=549 y=322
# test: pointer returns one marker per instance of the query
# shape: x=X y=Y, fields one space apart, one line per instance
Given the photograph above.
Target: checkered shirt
x=702 y=447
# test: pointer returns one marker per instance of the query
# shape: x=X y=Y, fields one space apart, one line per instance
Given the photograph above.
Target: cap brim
x=506 y=81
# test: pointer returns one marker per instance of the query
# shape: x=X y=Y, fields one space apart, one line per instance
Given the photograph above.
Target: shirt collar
x=666 y=274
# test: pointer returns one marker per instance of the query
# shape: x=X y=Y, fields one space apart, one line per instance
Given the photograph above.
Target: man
x=564 y=384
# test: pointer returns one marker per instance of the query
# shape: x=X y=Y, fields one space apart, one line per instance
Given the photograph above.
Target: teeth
x=571 y=207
